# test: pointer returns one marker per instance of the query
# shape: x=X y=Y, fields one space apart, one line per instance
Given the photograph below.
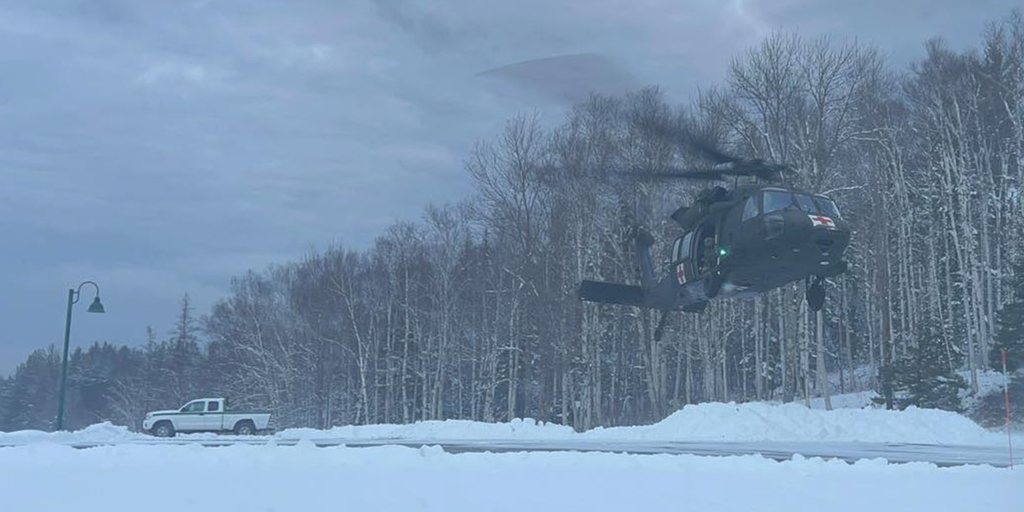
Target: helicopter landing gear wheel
x=815 y=294
x=660 y=330
x=713 y=284
x=640 y=236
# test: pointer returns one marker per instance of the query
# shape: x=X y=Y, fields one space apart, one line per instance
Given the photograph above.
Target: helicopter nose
x=830 y=244
x=825 y=245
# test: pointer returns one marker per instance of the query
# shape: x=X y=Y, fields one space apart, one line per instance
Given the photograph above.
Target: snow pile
x=794 y=422
x=702 y=422
x=448 y=429
x=171 y=478
x=706 y=422
x=99 y=433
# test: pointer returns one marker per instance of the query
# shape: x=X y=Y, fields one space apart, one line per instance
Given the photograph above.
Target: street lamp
x=95 y=307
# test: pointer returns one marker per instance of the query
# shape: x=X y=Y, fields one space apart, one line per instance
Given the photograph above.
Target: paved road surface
x=942 y=455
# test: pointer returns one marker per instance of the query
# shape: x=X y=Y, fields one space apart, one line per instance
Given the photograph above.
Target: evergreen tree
x=887 y=384
x=184 y=354
x=922 y=378
x=933 y=383
x=1010 y=333
x=31 y=401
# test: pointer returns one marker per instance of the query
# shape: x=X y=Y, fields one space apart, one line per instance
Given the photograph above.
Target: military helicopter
x=736 y=243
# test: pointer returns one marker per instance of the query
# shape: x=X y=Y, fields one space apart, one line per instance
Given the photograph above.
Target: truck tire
x=163 y=429
x=245 y=428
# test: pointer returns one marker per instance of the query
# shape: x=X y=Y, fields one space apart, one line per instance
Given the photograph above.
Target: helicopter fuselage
x=737 y=245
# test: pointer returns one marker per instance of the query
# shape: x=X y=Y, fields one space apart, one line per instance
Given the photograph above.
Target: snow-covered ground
x=41 y=473
x=47 y=477
x=703 y=422
x=989 y=381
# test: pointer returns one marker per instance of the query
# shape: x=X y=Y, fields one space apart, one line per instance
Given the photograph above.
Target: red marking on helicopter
x=681 y=273
x=818 y=220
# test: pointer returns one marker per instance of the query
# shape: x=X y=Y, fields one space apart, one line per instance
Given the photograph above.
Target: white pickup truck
x=205 y=415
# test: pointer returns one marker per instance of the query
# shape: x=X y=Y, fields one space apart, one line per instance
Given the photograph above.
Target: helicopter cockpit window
x=806 y=203
x=776 y=200
x=750 y=210
x=827 y=206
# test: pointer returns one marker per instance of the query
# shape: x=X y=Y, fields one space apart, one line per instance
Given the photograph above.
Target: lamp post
x=95 y=307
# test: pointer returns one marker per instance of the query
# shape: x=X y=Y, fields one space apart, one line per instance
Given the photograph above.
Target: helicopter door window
x=681 y=251
x=750 y=210
x=775 y=200
x=706 y=249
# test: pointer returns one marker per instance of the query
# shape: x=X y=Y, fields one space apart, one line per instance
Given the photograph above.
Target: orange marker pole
x=1006 y=397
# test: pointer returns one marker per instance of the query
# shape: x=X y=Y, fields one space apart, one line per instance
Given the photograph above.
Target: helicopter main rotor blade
x=709 y=152
x=699 y=144
x=767 y=172
x=724 y=163
x=775 y=172
x=696 y=174
x=675 y=174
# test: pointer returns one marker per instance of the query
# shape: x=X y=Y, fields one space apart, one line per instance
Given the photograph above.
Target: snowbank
x=99 y=433
x=160 y=478
x=708 y=422
x=702 y=422
x=794 y=422
x=448 y=429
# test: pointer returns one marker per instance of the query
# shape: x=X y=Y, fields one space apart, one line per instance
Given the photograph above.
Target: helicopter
x=736 y=243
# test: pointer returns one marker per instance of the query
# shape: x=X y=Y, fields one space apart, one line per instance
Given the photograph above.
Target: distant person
x=709 y=253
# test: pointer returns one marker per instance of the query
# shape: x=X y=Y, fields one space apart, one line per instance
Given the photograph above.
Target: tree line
x=472 y=313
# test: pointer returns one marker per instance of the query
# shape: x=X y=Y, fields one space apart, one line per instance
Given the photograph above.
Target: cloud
x=170 y=71
x=162 y=147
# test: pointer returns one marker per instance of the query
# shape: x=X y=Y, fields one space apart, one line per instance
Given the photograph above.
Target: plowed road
x=942 y=455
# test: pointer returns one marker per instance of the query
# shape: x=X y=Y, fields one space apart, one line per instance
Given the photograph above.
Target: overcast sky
x=162 y=147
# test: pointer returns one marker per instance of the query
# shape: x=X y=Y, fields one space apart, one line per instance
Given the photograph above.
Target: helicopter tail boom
x=611 y=293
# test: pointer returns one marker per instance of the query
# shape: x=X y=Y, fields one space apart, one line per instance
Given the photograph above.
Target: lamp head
x=96 y=306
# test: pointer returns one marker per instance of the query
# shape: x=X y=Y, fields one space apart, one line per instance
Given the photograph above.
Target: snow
x=98 y=433
x=709 y=422
x=273 y=477
x=989 y=381
x=448 y=429
x=857 y=400
x=794 y=422
x=702 y=422
x=159 y=478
